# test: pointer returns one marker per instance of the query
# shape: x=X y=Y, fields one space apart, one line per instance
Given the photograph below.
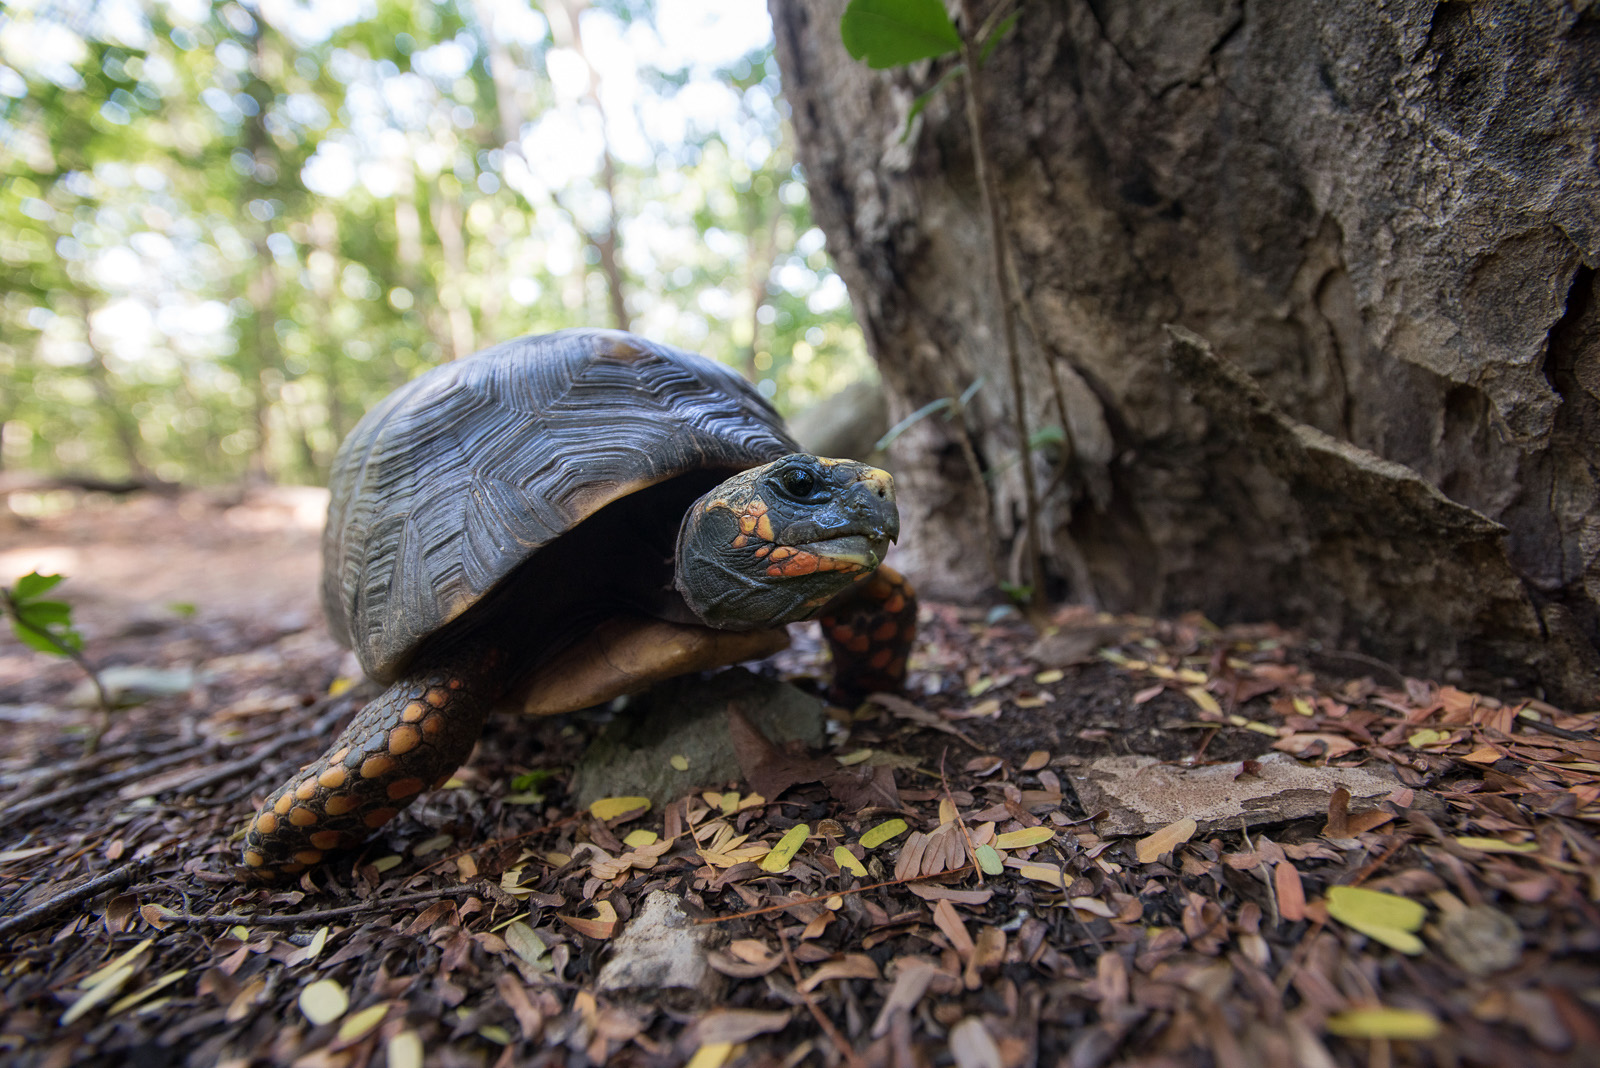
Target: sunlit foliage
x=227 y=229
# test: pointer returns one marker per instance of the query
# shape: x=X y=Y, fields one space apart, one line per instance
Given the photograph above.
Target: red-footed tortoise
x=556 y=521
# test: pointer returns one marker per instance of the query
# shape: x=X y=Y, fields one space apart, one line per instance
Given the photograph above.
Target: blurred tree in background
x=227 y=229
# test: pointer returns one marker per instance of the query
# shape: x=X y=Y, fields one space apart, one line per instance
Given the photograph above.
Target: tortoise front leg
x=407 y=740
x=870 y=628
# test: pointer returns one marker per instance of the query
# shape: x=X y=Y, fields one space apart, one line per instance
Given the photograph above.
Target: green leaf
x=43 y=614
x=1047 y=435
x=989 y=860
x=47 y=641
x=892 y=33
x=925 y=97
x=993 y=39
x=32 y=585
x=910 y=421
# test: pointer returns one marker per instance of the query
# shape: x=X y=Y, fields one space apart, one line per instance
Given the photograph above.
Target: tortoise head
x=773 y=544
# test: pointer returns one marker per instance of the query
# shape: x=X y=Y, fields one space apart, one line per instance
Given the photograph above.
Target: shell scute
x=457 y=479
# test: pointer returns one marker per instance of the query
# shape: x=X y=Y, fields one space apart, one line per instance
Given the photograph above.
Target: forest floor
x=1016 y=890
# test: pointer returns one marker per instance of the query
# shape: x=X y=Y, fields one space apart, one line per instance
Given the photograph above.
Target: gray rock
x=1142 y=794
x=633 y=756
x=661 y=949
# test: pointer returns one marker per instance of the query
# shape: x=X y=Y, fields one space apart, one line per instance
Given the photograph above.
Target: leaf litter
x=947 y=901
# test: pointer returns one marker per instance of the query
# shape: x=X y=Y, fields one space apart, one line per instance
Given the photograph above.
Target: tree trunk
x=1309 y=290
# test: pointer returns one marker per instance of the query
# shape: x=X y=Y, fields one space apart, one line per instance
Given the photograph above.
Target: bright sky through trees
x=226 y=229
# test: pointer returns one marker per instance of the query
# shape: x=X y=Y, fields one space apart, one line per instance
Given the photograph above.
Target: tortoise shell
x=458 y=478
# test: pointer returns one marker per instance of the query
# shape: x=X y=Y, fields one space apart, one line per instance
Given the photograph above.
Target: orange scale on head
x=267 y=823
x=333 y=777
x=880 y=659
x=252 y=859
x=413 y=712
x=308 y=856
x=327 y=839
x=284 y=803
x=301 y=816
x=306 y=790
x=438 y=696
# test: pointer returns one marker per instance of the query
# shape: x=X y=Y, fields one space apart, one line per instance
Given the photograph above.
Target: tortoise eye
x=799 y=482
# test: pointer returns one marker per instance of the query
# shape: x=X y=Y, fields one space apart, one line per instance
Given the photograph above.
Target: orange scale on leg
x=379 y=816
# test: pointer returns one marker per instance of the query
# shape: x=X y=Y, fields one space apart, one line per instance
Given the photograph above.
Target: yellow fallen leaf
x=1496 y=845
x=1165 y=840
x=640 y=837
x=1427 y=736
x=404 y=1050
x=711 y=1055
x=679 y=762
x=1043 y=873
x=1413 y=1025
x=1387 y=918
x=324 y=1001
x=99 y=975
x=847 y=862
x=340 y=685
x=1045 y=678
x=1199 y=696
x=1028 y=836
x=781 y=854
x=141 y=995
x=609 y=808
x=851 y=759
x=104 y=990
x=362 y=1022
x=882 y=833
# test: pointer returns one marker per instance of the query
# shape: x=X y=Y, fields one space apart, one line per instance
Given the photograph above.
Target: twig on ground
x=269 y=919
x=68 y=898
x=840 y=1043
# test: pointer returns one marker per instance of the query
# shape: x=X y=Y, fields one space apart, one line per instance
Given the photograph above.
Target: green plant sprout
x=46 y=625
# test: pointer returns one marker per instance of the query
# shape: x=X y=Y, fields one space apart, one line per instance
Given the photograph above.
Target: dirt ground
x=1448 y=919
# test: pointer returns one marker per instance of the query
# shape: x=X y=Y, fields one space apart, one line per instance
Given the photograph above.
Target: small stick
x=111 y=880
x=961 y=824
x=230 y=919
x=840 y=1043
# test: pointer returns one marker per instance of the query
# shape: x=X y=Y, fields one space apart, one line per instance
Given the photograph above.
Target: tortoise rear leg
x=870 y=628
x=406 y=740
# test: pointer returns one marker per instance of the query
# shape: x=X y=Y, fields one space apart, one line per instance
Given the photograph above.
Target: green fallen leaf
x=1387 y=918
x=847 y=862
x=1496 y=845
x=989 y=860
x=882 y=833
x=1412 y=1025
x=777 y=860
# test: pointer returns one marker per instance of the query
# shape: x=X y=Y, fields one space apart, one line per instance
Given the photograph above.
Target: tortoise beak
x=870 y=499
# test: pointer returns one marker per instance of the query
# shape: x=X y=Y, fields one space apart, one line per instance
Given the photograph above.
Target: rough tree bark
x=1310 y=288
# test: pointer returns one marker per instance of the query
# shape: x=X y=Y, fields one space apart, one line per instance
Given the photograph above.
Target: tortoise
x=554 y=522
